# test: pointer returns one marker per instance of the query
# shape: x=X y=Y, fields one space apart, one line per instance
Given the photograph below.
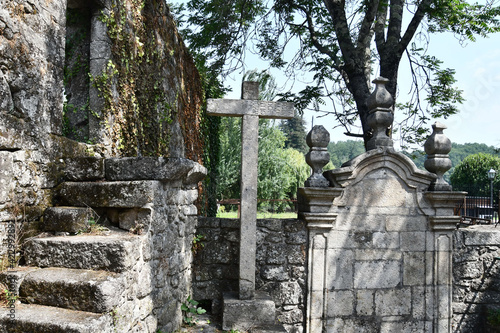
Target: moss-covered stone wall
x=144 y=94
x=149 y=88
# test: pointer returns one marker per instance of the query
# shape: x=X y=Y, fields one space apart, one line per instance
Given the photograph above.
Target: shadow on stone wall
x=280 y=270
x=476 y=272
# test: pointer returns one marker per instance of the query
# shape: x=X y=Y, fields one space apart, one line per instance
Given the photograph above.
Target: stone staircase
x=73 y=283
x=102 y=281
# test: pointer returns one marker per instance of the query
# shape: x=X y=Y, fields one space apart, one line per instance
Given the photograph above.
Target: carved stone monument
x=381 y=238
x=248 y=310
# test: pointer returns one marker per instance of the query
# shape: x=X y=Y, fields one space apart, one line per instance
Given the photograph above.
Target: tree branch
x=380 y=28
x=395 y=23
x=365 y=32
x=413 y=26
x=314 y=39
x=336 y=8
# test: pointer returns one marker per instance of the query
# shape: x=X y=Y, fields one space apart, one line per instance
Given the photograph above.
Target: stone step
x=76 y=289
x=115 y=252
x=31 y=318
x=115 y=194
x=66 y=219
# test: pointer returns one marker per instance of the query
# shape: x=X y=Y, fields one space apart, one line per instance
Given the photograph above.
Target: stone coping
x=134 y=168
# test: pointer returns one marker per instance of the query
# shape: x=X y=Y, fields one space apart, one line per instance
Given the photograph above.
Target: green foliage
x=334 y=41
x=472 y=172
x=343 y=151
x=275 y=177
x=191 y=310
x=197 y=243
x=295 y=132
x=457 y=154
x=280 y=170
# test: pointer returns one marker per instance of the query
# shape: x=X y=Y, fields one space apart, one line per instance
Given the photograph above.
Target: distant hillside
x=457 y=154
x=343 y=151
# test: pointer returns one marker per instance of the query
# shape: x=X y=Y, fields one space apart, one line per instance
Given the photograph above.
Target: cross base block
x=247 y=315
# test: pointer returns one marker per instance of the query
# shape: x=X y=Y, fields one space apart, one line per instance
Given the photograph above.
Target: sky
x=477 y=67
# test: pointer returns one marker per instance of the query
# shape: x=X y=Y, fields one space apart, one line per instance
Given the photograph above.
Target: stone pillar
x=315 y=201
x=314 y=205
x=443 y=225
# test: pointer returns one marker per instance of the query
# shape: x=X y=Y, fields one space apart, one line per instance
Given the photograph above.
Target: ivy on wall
x=149 y=83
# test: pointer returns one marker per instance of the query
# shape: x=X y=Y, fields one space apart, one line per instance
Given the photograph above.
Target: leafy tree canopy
x=343 y=43
x=472 y=174
x=343 y=151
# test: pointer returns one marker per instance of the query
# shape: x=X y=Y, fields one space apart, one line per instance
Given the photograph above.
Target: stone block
x=351 y=325
x=363 y=222
x=84 y=169
x=365 y=302
x=419 y=304
x=274 y=273
x=386 y=240
x=406 y=223
x=406 y=327
x=340 y=303
x=147 y=168
x=340 y=269
x=126 y=194
x=377 y=254
x=414 y=269
x=377 y=274
x=481 y=235
x=6 y=175
x=76 y=289
x=43 y=319
x=413 y=241
x=66 y=219
x=271 y=224
x=291 y=317
x=395 y=302
x=131 y=219
x=290 y=293
x=276 y=255
x=245 y=314
x=116 y=252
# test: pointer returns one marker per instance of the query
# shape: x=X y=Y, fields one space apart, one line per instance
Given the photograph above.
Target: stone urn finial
x=318 y=156
x=380 y=115
x=438 y=161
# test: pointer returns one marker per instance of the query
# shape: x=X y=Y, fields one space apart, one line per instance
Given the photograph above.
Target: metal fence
x=478 y=210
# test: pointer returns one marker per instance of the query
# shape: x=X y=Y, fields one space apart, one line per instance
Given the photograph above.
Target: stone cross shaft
x=251 y=109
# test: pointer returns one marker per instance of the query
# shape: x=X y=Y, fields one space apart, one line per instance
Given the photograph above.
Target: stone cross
x=251 y=109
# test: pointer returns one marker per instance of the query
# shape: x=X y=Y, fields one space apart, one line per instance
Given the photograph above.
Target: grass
x=260 y=215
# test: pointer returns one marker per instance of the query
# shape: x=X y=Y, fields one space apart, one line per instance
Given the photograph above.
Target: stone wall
x=280 y=269
x=380 y=248
x=143 y=96
x=476 y=272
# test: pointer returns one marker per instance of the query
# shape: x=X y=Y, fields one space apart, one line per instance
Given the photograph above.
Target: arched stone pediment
x=359 y=167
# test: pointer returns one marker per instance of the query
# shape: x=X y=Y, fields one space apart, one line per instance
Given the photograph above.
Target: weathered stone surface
x=82 y=290
x=150 y=168
x=121 y=194
x=245 y=314
x=475 y=273
x=45 y=319
x=215 y=272
x=66 y=219
x=377 y=274
x=115 y=252
x=395 y=302
x=84 y=169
